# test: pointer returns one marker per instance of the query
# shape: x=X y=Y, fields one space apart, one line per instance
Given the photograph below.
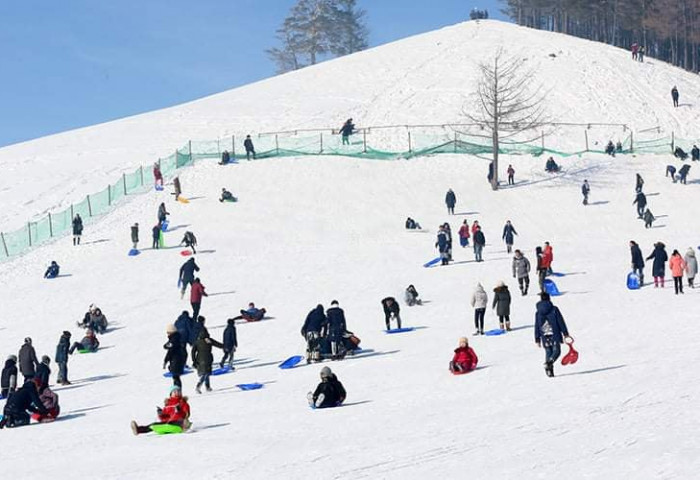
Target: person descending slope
x=641 y=201
x=464 y=359
x=675 y=96
x=521 y=271
x=187 y=275
x=691 y=267
x=175 y=412
x=550 y=331
x=659 y=267
x=677 y=266
x=501 y=302
x=637 y=261
x=329 y=393
x=479 y=301
x=508 y=235
x=450 y=201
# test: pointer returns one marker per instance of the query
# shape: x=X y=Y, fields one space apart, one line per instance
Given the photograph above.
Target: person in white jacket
x=479 y=301
x=691 y=266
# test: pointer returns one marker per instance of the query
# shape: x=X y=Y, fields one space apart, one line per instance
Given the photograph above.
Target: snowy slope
x=310 y=230
x=424 y=79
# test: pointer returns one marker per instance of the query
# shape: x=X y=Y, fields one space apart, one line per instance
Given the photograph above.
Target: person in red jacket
x=464 y=234
x=196 y=294
x=157 y=175
x=474 y=225
x=176 y=411
x=548 y=257
x=464 y=359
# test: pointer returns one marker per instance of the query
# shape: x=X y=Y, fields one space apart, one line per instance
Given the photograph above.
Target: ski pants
x=678 y=284
x=479 y=318
x=195 y=309
x=204 y=379
x=312 y=346
x=524 y=283
x=511 y=180
x=62 y=372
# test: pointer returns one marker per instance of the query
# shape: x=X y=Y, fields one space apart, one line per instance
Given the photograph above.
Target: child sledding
x=464 y=359
x=174 y=417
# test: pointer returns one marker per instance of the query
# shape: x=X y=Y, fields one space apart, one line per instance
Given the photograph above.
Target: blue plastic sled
x=399 y=330
x=558 y=274
x=432 y=262
x=222 y=371
x=186 y=371
x=164 y=226
x=551 y=288
x=133 y=252
x=291 y=362
x=250 y=386
x=493 y=333
x=633 y=281
x=159 y=188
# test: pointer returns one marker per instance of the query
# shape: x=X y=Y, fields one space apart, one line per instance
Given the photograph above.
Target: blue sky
x=71 y=63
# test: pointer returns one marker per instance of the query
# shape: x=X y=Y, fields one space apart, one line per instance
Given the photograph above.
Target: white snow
x=310 y=230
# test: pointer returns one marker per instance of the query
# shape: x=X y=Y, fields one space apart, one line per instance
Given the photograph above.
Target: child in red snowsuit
x=50 y=401
x=465 y=359
x=176 y=411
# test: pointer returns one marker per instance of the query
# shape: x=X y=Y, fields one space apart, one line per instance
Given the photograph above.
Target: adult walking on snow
x=550 y=331
x=675 y=96
x=639 y=184
x=541 y=267
x=511 y=175
x=77 y=229
x=187 y=275
x=508 y=235
x=202 y=358
x=346 y=130
x=442 y=245
x=62 y=353
x=658 y=269
x=641 y=202
x=637 y=261
x=155 y=234
x=691 y=267
x=196 y=293
x=450 y=201
x=249 y=147
x=162 y=213
x=479 y=244
x=464 y=234
x=176 y=355
x=28 y=362
x=135 y=235
x=677 y=266
x=479 y=301
x=585 y=191
x=501 y=302
x=521 y=271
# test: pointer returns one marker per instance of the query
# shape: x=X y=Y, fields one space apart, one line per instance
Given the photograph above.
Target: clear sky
x=72 y=63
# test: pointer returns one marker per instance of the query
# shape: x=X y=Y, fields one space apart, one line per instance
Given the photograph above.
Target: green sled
x=166 y=428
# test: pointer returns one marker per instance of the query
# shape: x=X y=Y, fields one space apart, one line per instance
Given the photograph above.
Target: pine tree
x=350 y=31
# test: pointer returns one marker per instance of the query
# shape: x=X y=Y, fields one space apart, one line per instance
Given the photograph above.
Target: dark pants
x=204 y=379
x=479 y=319
x=585 y=199
x=524 y=283
x=195 y=309
x=228 y=355
x=503 y=318
x=387 y=319
x=690 y=282
x=62 y=372
x=541 y=274
x=511 y=180
x=678 y=284
x=176 y=380
x=191 y=246
x=552 y=350
x=248 y=153
x=509 y=247
x=156 y=244
x=640 y=210
x=640 y=274
x=451 y=210
x=675 y=101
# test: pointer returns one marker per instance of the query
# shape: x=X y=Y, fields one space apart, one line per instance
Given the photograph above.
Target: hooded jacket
x=8 y=380
x=479 y=298
x=187 y=271
x=660 y=258
x=315 y=321
x=27 y=360
x=637 y=258
x=546 y=311
x=521 y=266
x=62 y=349
x=501 y=300
x=177 y=355
x=677 y=265
x=691 y=264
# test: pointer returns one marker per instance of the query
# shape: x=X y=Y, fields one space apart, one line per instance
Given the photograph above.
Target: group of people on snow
x=326 y=334
x=679 y=265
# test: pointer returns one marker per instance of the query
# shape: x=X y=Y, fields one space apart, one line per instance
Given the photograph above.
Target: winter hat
x=326 y=372
x=12 y=357
x=463 y=340
x=66 y=333
x=544 y=296
x=174 y=388
x=28 y=340
x=231 y=321
x=45 y=360
x=170 y=329
x=501 y=284
x=334 y=302
x=691 y=252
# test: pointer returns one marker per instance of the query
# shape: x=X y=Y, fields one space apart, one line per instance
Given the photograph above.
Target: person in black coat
x=52 y=271
x=639 y=184
x=442 y=245
x=450 y=201
x=695 y=153
x=683 y=173
x=550 y=331
x=162 y=213
x=346 y=130
x=479 y=243
x=184 y=325
x=675 y=96
x=335 y=329
x=637 y=261
x=585 y=191
x=391 y=309
x=509 y=235
x=230 y=342
x=156 y=236
x=314 y=324
x=28 y=362
x=26 y=398
x=135 y=235
x=329 y=393
x=176 y=356
x=62 y=353
x=187 y=275
x=8 y=379
x=249 y=147
x=189 y=240
x=77 y=229
x=641 y=202
x=43 y=373
x=658 y=269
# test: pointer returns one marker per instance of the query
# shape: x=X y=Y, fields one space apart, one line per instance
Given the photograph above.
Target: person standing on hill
x=677 y=266
x=448 y=232
x=479 y=244
x=464 y=234
x=176 y=355
x=203 y=359
x=162 y=213
x=550 y=331
x=442 y=245
x=450 y=201
x=639 y=184
x=249 y=147
x=659 y=267
x=501 y=302
x=135 y=235
x=637 y=261
x=178 y=188
x=156 y=236
x=336 y=326
x=511 y=175
x=585 y=190
x=642 y=51
x=196 y=293
x=641 y=202
x=77 y=229
x=508 y=235
x=62 y=353
x=28 y=362
x=187 y=274
x=691 y=267
x=548 y=257
x=346 y=130
x=479 y=301
x=230 y=342
x=635 y=50
x=314 y=324
x=541 y=267
x=521 y=271
x=157 y=175
x=675 y=96
x=695 y=153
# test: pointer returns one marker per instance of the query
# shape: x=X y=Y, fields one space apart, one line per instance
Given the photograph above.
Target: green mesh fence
x=374 y=143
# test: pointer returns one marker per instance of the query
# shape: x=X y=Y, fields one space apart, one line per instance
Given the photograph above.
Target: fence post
x=50 y=226
x=631 y=141
x=321 y=134
x=364 y=140
x=109 y=195
x=4 y=245
x=141 y=171
x=585 y=133
x=277 y=145
x=71 y=212
x=543 y=141
x=233 y=146
x=673 y=141
x=89 y=206
x=29 y=231
x=455 y=142
x=124 y=182
x=409 y=142
x=190 y=147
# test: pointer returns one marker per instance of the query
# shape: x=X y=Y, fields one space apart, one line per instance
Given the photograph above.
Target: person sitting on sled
x=175 y=412
x=252 y=314
x=52 y=271
x=411 y=296
x=464 y=359
x=89 y=342
x=226 y=196
x=50 y=401
x=26 y=398
x=329 y=393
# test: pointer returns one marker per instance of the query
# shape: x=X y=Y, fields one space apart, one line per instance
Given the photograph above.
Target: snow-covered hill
x=310 y=230
x=425 y=79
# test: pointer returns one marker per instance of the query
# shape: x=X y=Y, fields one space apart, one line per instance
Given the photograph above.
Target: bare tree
x=506 y=103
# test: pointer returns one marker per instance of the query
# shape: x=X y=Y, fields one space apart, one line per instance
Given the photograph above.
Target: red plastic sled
x=571 y=357
x=185 y=253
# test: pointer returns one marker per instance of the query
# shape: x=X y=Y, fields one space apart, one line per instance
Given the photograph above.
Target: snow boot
x=501 y=324
x=508 y=326
x=549 y=368
x=478 y=332
x=319 y=400
x=198 y=389
x=134 y=427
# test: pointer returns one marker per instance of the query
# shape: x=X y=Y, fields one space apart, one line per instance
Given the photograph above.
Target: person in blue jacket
x=335 y=329
x=550 y=331
x=637 y=261
x=442 y=245
x=52 y=271
x=658 y=269
x=62 y=353
x=311 y=331
x=184 y=324
x=508 y=235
